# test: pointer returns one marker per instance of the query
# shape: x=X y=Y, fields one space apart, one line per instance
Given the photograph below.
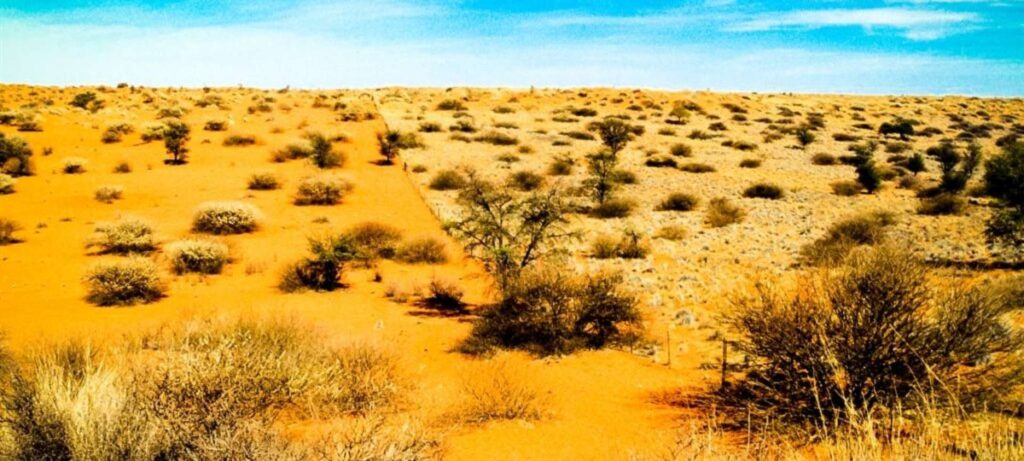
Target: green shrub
x=323 y=270
x=764 y=190
x=199 y=256
x=124 y=236
x=108 y=194
x=124 y=282
x=263 y=181
x=678 y=201
x=223 y=218
x=447 y=180
x=321 y=190
x=721 y=212
x=561 y=166
x=525 y=181
x=14 y=156
x=175 y=135
x=450 y=104
x=322 y=153
x=613 y=208
x=1004 y=180
x=114 y=133
x=422 y=250
x=550 y=312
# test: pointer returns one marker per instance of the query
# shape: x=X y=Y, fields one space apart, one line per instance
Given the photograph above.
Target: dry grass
x=501 y=388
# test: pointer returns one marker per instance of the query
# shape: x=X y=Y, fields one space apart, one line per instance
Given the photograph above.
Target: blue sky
x=889 y=46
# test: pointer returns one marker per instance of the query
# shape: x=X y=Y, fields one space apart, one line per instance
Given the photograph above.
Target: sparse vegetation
x=222 y=218
x=422 y=250
x=7 y=229
x=845 y=235
x=678 y=201
x=108 y=194
x=263 y=181
x=124 y=236
x=448 y=180
x=764 y=190
x=721 y=212
x=321 y=190
x=197 y=256
x=14 y=156
x=124 y=282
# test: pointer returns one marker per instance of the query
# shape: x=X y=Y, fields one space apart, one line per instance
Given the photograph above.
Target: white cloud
x=914 y=23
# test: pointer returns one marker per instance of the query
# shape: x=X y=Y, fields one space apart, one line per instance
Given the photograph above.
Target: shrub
x=323 y=270
x=123 y=167
x=374 y=240
x=450 y=104
x=175 y=134
x=444 y=295
x=7 y=230
x=14 y=156
x=604 y=247
x=322 y=153
x=678 y=201
x=875 y=340
x=804 y=136
x=525 y=180
x=672 y=232
x=846 y=188
x=430 y=127
x=215 y=125
x=661 y=162
x=561 y=166
x=845 y=235
x=1004 y=180
x=263 y=181
x=900 y=127
x=6 y=184
x=74 y=165
x=957 y=167
x=623 y=177
x=123 y=283
x=764 y=190
x=108 y=194
x=422 y=250
x=321 y=190
x=291 y=152
x=115 y=133
x=697 y=168
x=239 y=140
x=681 y=150
x=550 y=312
x=942 y=204
x=915 y=164
x=200 y=256
x=447 y=180
x=87 y=100
x=497 y=138
x=124 y=236
x=823 y=159
x=631 y=245
x=615 y=133
x=223 y=218
x=495 y=390
x=613 y=208
x=750 y=163
x=721 y=212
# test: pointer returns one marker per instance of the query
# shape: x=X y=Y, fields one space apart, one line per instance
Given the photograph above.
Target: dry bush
x=561 y=166
x=672 y=232
x=944 y=204
x=291 y=152
x=447 y=180
x=263 y=181
x=124 y=236
x=824 y=159
x=426 y=250
x=124 y=282
x=15 y=156
x=697 y=168
x=680 y=150
x=108 y=194
x=200 y=256
x=846 y=188
x=678 y=201
x=613 y=208
x=202 y=391
x=631 y=245
x=374 y=240
x=7 y=229
x=321 y=190
x=721 y=212
x=444 y=295
x=845 y=235
x=525 y=181
x=545 y=311
x=324 y=268
x=239 y=140
x=764 y=190
x=500 y=389
x=6 y=184
x=74 y=165
x=874 y=340
x=222 y=218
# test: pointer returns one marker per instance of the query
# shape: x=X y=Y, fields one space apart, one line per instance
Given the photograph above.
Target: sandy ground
x=601 y=403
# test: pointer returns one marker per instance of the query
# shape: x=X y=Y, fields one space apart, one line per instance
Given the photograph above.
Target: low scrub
x=422 y=250
x=631 y=245
x=15 y=156
x=944 y=204
x=374 y=240
x=447 y=180
x=6 y=184
x=222 y=218
x=721 y=212
x=197 y=256
x=108 y=194
x=263 y=181
x=501 y=389
x=124 y=236
x=697 y=168
x=7 y=229
x=846 y=188
x=324 y=268
x=124 y=282
x=321 y=190
x=239 y=140
x=444 y=295
x=824 y=159
x=552 y=312
x=845 y=235
x=613 y=208
x=765 y=191
x=678 y=201
x=74 y=165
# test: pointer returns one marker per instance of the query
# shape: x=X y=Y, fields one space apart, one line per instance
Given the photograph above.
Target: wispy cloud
x=915 y=24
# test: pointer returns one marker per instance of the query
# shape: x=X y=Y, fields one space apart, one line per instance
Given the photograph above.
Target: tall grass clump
x=124 y=282
x=222 y=218
x=198 y=256
x=500 y=389
x=721 y=212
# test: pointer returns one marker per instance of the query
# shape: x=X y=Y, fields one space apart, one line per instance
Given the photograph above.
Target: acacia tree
x=615 y=133
x=1004 y=180
x=679 y=114
x=509 y=232
x=175 y=136
x=900 y=127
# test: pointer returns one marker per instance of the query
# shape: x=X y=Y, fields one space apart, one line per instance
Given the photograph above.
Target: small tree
x=916 y=163
x=176 y=134
x=679 y=114
x=615 y=133
x=602 y=181
x=900 y=127
x=957 y=168
x=804 y=136
x=322 y=152
x=509 y=232
x=867 y=172
x=87 y=101
x=1004 y=180
x=390 y=144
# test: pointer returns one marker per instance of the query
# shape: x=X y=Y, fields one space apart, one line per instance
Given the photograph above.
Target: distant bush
x=678 y=201
x=6 y=184
x=661 y=161
x=631 y=245
x=122 y=168
x=199 y=256
x=175 y=134
x=123 y=283
x=108 y=194
x=764 y=190
x=672 y=232
x=750 y=163
x=422 y=250
x=430 y=127
x=699 y=135
x=373 y=240
x=291 y=152
x=497 y=138
x=14 y=156
x=721 y=212
x=321 y=190
x=263 y=181
x=1004 y=175
x=88 y=101
x=847 y=188
x=322 y=153
x=845 y=235
x=239 y=140
x=550 y=312
x=681 y=150
x=226 y=218
x=613 y=208
x=444 y=295
x=7 y=229
x=450 y=104
x=943 y=204
x=124 y=236
x=561 y=166
x=447 y=180
x=525 y=180
x=215 y=125
x=114 y=133
x=697 y=168
x=823 y=159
